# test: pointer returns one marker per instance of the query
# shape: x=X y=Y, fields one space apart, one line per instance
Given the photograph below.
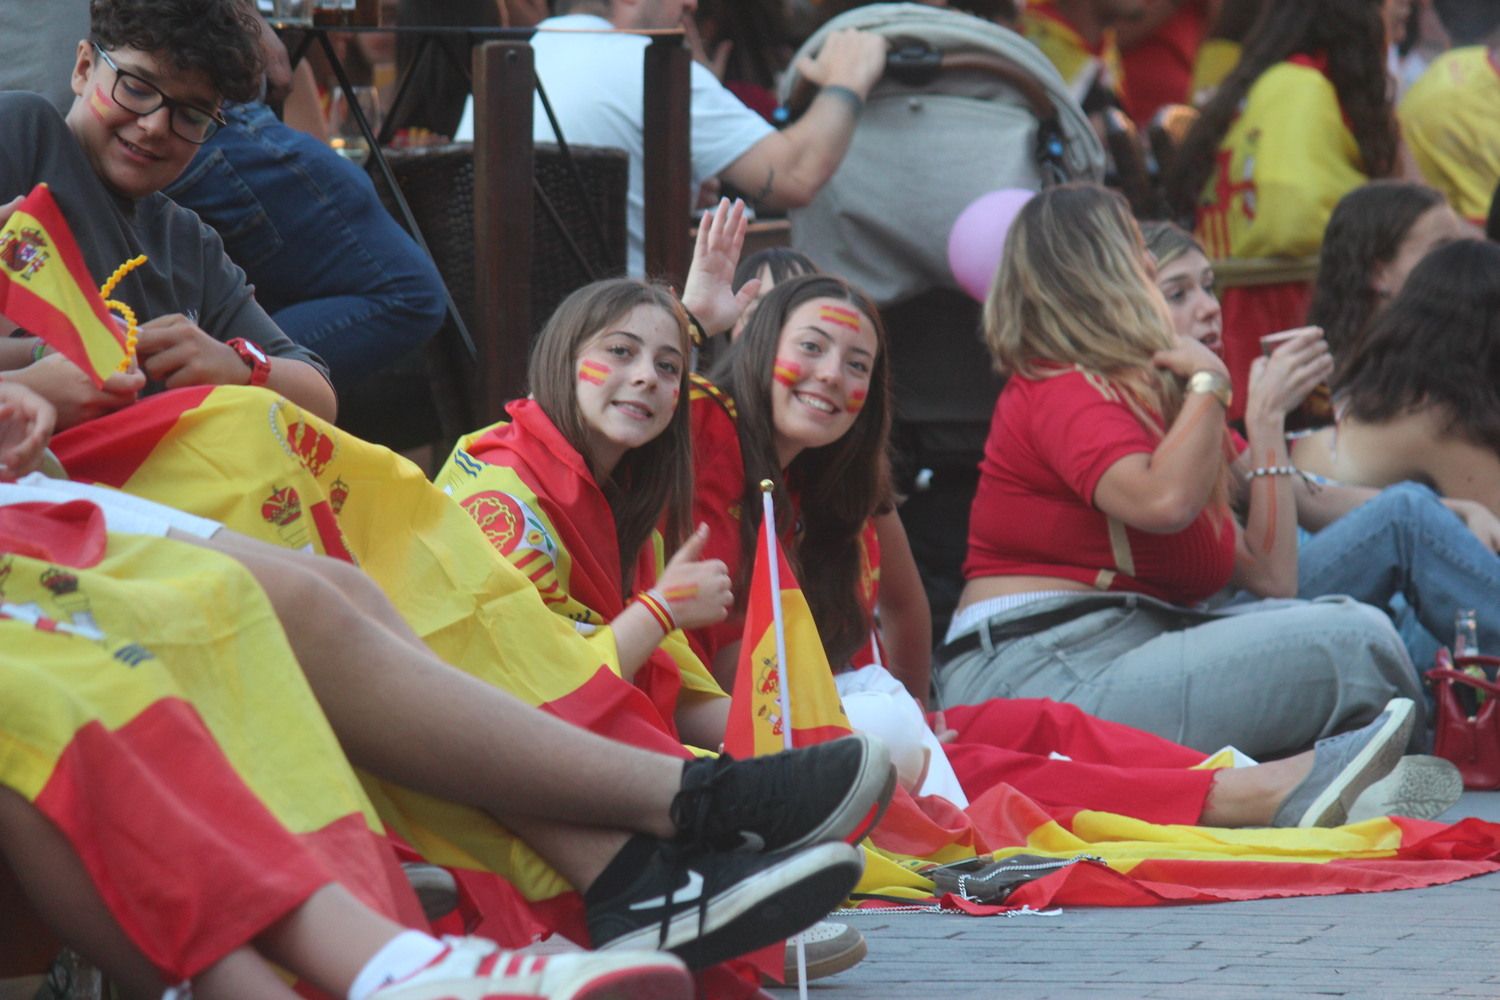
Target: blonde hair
x=1168 y=241
x=1074 y=293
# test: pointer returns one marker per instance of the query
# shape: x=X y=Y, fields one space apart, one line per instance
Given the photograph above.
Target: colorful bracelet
x=696 y=332
x=1275 y=470
x=653 y=602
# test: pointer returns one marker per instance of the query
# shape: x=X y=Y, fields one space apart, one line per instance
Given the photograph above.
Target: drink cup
x=1271 y=341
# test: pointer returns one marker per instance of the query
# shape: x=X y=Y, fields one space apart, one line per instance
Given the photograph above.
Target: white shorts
x=123 y=513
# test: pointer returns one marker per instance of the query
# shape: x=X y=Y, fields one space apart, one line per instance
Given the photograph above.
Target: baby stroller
x=965 y=107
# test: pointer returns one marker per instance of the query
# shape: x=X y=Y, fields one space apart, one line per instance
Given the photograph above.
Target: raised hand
x=709 y=292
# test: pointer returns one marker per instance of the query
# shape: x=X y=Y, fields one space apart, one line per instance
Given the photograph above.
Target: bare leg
x=1250 y=796
x=241 y=973
x=328 y=939
x=54 y=879
x=402 y=713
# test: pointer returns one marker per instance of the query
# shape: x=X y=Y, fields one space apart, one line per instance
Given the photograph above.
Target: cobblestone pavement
x=1443 y=941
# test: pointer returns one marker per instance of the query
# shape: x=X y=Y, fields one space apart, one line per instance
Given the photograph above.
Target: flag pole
x=768 y=518
x=773 y=564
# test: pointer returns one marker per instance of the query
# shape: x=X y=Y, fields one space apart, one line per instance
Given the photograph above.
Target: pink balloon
x=978 y=237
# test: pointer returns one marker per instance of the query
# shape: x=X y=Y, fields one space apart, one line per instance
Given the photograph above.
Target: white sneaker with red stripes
x=476 y=969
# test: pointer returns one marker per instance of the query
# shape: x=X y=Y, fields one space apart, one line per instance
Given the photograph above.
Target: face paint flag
x=758 y=712
x=46 y=289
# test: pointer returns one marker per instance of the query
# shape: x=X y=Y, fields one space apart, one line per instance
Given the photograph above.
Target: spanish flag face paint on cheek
x=593 y=372
x=788 y=373
x=856 y=401
x=100 y=103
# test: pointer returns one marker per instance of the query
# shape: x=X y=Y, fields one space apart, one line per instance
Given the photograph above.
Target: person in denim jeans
x=1405 y=544
x=328 y=262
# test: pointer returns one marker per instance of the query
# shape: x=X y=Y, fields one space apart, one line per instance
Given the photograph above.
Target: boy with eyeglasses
x=148 y=86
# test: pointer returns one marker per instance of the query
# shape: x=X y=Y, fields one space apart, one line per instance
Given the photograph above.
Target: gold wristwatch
x=1214 y=384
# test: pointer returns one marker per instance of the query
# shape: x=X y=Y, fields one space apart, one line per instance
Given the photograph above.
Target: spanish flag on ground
x=154 y=713
x=270 y=470
x=47 y=290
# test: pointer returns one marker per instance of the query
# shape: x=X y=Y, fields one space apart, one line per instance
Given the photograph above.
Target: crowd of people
x=1200 y=522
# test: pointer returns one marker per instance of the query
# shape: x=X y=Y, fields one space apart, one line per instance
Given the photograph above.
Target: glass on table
x=291 y=11
x=343 y=128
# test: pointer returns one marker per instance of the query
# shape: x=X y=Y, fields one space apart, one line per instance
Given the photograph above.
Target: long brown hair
x=839 y=486
x=1351 y=33
x=653 y=480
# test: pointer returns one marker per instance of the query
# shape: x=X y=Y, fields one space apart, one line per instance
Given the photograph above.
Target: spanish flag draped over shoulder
x=154 y=713
x=538 y=504
x=47 y=290
x=268 y=469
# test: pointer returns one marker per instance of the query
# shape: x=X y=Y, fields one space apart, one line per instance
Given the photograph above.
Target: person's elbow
x=1267 y=578
x=1166 y=512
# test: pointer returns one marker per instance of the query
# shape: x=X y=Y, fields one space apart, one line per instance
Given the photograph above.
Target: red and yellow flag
x=46 y=288
x=757 y=714
x=155 y=714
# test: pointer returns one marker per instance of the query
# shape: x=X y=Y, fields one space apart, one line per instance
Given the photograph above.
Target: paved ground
x=1443 y=941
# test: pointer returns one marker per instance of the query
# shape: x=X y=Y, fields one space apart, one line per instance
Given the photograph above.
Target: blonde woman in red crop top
x=1102 y=521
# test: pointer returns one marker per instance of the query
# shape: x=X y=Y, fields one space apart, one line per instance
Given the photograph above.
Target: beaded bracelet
x=653 y=602
x=1275 y=470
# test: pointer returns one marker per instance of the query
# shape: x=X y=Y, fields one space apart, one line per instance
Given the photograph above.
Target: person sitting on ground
x=1447 y=117
x=1101 y=522
x=1439 y=555
x=336 y=272
x=802 y=341
x=107 y=165
x=1378 y=232
x=592 y=74
x=493 y=753
x=1418 y=400
x=256 y=822
x=1261 y=179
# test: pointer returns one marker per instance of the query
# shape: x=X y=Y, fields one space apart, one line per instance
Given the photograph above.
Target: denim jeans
x=1405 y=543
x=328 y=262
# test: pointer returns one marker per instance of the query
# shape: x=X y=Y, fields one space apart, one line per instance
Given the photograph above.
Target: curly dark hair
x=218 y=38
x=840 y=485
x=1351 y=33
x=1367 y=228
x=1436 y=344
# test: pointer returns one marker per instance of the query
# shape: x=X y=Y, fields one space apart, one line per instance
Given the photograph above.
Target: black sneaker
x=832 y=791
x=711 y=907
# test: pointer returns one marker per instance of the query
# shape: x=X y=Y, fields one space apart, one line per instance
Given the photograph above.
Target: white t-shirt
x=595 y=85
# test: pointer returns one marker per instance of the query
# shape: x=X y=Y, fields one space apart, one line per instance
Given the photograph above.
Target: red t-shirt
x=1050 y=442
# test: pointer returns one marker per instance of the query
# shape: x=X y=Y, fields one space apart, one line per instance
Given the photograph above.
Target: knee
x=1408 y=502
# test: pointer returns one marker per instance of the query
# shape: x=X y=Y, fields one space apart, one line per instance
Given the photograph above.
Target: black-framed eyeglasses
x=142 y=97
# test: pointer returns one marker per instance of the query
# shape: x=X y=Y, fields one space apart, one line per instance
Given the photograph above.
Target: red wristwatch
x=260 y=365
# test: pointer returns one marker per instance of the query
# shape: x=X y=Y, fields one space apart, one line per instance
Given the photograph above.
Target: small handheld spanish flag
x=46 y=289
x=784 y=695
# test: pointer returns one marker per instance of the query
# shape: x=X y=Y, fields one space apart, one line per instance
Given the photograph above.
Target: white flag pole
x=768 y=520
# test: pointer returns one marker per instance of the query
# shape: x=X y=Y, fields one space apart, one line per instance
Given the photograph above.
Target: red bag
x=1472 y=742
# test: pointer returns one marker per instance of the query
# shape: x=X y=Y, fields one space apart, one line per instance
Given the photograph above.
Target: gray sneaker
x=1419 y=786
x=1345 y=765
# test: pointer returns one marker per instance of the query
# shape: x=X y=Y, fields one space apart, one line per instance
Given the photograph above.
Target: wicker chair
x=427 y=397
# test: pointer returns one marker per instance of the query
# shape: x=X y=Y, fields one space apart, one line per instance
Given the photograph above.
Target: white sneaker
x=476 y=969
